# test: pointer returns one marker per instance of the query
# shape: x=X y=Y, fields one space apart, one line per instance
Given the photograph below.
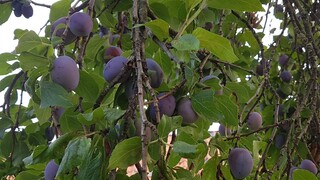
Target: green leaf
x=237 y=5
x=228 y=108
x=59 y=9
x=210 y=168
x=203 y=104
x=112 y=114
x=4 y=66
x=87 y=88
x=5 y=12
x=29 y=174
x=52 y=94
x=187 y=150
x=168 y=124
x=190 y=4
x=186 y=42
x=89 y=167
x=216 y=44
x=94 y=45
x=29 y=61
x=126 y=153
x=301 y=174
x=75 y=153
x=28 y=41
x=240 y=89
x=159 y=27
x=258 y=146
x=91 y=117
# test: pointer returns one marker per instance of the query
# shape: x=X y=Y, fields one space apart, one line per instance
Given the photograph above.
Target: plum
x=309 y=165
x=80 y=24
x=113 y=67
x=185 y=109
x=260 y=70
x=17 y=5
x=283 y=60
x=224 y=131
x=112 y=52
x=240 y=162
x=281 y=94
x=278 y=8
x=166 y=106
x=70 y=37
x=27 y=10
x=254 y=121
x=281 y=110
x=65 y=73
x=49 y=133
x=51 y=170
x=286 y=76
x=279 y=140
x=155 y=73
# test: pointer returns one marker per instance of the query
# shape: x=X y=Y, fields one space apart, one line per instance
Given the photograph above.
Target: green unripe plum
x=65 y=73
x=70 y=37
x=155 y=73
x=254 y=121
x=240 y=162
x=113 y=67
x=80 y=24
x=185 y=109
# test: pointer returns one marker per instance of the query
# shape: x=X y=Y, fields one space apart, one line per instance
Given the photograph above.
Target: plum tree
x=155 y=73
x=166 y=106
x=283 y=60
x=58 y=31
x=51 y=170
x=27 y=10
x=254 y=121
x=80 y=24
x=65 y=73
x=184 y=108
x=286 y=76
x=224 y=130
x=113 y=67
x=112 y=52
x=240 y=162
x=309 y=165
x=198 y=49
x=279 y=140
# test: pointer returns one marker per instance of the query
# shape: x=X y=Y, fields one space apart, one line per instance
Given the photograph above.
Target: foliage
x=210 y=54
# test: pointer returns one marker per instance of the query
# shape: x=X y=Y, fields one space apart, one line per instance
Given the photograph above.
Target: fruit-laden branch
x=39 y=4
x=139 y=35
x=6 y=104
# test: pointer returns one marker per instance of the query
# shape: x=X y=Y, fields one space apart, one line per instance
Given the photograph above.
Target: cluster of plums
x=167 y=105
x=80 y=24
x=22 y=8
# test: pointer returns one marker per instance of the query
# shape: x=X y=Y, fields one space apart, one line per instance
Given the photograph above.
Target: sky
x=41 y=16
